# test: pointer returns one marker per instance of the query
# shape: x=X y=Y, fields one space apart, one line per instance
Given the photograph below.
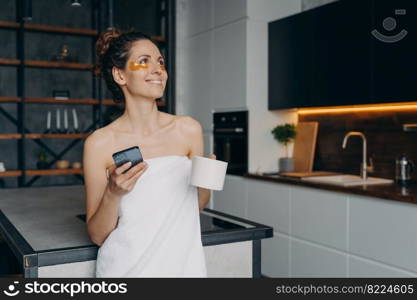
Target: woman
x=146 y=221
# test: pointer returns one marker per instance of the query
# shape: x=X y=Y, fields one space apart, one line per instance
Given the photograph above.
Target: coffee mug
x=208 y=173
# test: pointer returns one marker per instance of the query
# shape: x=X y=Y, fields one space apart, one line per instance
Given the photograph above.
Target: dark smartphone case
x=131 y=154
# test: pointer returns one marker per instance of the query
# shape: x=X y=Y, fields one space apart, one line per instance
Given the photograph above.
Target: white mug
x=2 y=168
x=208 y=173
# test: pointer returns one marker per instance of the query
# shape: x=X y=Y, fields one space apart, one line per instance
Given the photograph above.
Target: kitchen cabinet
x=328 y=56
x=311 y=213
x=233 y=198
x=394 y=72
x=312 y=260
x=229 y=66
x=199 y=88
x=269 y=203
x=341 y=54
x=319 y=233
x=290 y=62
x=384 y=231
x=226 y=12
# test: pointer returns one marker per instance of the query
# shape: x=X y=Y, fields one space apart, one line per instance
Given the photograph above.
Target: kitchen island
x=45 y=229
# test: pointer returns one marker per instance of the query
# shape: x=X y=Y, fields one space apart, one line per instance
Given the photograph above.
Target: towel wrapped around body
x=158 y=232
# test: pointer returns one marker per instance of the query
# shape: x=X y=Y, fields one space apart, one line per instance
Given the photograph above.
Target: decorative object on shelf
x=42 y=163
x=284 y=134
x=48 y=122
x=58 y=128
x=76 y=165
x=64 y=55
x=65 y=121
x=2 y=168
x=75 y=120
x=61 y=94
x=58 y=121
x=62 y=164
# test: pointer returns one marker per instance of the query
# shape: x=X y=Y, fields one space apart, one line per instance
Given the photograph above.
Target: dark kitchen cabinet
x=394 y=71
x=341 y=56
x=328 y=55
x=290 y=62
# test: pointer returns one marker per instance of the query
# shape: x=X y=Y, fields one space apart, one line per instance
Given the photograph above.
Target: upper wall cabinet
x=229 y=66
x=228 y=11
x=394 y=75
x=290 y=62
x=341 y=54
x=347 y=52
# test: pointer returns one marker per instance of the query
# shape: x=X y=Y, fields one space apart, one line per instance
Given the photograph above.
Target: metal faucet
x=364 y=167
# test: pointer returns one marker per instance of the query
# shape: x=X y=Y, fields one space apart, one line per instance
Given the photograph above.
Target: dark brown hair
x=112 y=50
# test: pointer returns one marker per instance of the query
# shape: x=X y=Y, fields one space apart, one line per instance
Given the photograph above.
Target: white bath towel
x=158 y=233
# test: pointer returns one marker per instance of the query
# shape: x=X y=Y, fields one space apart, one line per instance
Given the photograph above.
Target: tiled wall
x=386 y=140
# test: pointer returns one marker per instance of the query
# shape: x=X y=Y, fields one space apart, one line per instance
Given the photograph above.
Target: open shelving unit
x=96 y=100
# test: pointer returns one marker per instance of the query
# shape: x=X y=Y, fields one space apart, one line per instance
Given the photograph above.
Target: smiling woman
x=146 y=220
x=113 y=50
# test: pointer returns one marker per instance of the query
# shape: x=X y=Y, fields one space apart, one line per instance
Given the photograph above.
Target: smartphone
x=131 y=154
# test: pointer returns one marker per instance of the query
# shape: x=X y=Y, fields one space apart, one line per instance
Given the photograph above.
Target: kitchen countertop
x=391 y=191
x=45 y=226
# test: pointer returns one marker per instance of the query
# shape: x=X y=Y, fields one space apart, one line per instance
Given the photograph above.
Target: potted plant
x=285 y=134
x=42 y=163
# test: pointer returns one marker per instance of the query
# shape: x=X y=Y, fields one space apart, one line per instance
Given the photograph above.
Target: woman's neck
x=141 y=116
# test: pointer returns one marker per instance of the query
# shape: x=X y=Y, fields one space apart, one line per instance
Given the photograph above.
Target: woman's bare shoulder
x=189 y=125
x=102 y=137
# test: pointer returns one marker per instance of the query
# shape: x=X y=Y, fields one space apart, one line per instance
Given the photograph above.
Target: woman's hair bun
x=102 y=45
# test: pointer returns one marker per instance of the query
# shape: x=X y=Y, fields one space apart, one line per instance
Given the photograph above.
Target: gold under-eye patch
x=134 y=66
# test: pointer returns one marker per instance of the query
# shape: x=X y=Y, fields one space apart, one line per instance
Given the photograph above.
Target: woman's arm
x=101 y=205
x=195 y=134
x=103 y=194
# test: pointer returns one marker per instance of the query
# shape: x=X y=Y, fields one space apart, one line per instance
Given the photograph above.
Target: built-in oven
x=230 y=137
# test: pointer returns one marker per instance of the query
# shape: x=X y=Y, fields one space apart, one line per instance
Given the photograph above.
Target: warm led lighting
x=359 y=108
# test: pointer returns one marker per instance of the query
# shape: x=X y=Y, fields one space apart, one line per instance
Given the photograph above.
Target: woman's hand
x=212 y=156
x=204 y=194
x=120 y=184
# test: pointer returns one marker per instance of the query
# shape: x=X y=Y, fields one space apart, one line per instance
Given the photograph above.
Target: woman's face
x=145 y=73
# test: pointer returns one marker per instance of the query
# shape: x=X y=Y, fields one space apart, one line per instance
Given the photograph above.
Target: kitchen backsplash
x=386 y=140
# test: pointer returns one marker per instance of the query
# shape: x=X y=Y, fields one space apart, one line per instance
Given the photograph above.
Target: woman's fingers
x=133 y=171
x=132 y=180
x=123 y=168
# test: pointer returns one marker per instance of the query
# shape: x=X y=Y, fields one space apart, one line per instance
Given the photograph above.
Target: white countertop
x=33 y=211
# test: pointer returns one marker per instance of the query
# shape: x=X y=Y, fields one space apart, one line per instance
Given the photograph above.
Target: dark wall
x=141 y=15
x=385 y=140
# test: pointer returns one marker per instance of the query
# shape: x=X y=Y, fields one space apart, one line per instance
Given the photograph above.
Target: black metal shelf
x=96 y=101
x=23 y=133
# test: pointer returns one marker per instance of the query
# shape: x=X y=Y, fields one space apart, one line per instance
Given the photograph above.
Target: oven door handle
x=237 y=129
x=227 y=155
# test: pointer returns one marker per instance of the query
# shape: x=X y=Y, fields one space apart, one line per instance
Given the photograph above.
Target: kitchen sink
x=347 y=180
